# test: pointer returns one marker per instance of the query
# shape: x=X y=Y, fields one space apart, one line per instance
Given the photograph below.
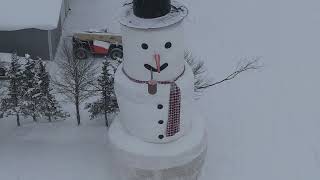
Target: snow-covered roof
x=24 y=14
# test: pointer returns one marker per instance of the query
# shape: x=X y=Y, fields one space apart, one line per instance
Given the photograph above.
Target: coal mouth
x=150 y=68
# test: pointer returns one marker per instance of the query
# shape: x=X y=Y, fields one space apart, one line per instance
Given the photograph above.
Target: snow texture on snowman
x=157 y=135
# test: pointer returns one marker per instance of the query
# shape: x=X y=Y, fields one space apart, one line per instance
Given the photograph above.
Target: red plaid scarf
x=173 y=124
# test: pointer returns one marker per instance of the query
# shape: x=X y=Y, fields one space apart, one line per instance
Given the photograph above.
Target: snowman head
x=153 y=53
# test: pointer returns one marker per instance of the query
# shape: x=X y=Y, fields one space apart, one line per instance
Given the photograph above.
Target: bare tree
x=199 y=70
x=75 y=78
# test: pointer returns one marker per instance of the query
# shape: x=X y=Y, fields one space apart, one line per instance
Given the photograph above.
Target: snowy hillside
x=263 y=125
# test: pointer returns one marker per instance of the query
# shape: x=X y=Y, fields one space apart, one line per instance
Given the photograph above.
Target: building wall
x=53 y=40
x=27 y=41
x=64 y=10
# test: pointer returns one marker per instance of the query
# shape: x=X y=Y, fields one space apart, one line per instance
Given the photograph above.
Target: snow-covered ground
x=263 y=125
x=92 y=15
x=59 y=150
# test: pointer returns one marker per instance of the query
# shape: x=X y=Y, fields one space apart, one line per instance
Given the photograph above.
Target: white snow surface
x=262 y=125
x=39 y=14
x=59 y=150
x=5 y=57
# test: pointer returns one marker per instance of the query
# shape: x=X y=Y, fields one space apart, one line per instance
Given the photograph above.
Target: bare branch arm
x=250 y=65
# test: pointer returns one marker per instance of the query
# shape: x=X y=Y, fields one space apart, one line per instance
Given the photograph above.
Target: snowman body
x=146 y=115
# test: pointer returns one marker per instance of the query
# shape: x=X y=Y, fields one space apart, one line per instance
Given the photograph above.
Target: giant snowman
x=158 y=135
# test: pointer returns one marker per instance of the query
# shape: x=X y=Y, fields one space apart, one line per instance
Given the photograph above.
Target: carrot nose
x=157 y=59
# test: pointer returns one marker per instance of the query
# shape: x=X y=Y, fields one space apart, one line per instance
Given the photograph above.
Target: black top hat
x=149 y=9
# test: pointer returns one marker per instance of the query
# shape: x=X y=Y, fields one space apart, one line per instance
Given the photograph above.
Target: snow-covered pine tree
x=107 y=102
x=31 y=96
x=11 y=103
x=49 y=105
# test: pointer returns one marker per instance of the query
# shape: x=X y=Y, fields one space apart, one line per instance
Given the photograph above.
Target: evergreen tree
x=49 y=105
x=107 y=102
x=31 y=96
x=12 y=102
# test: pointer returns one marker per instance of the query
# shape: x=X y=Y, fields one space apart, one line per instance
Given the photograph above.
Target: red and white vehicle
x=106 y=44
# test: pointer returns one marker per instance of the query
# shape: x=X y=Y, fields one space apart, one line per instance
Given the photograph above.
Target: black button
x=160 y=122
x=144 y=46
x=161 y=136
x=168 y=45
x=160 y=106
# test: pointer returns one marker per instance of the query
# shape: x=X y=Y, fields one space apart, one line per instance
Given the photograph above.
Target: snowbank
x=5 y=57
x=39 y=14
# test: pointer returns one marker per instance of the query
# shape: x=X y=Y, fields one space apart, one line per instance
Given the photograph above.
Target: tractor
x=86 y=44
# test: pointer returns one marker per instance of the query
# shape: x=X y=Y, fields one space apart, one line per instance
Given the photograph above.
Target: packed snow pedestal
x=157 y=134
x=135 y=159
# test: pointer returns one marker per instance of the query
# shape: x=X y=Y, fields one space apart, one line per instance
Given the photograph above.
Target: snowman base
x=134 y=159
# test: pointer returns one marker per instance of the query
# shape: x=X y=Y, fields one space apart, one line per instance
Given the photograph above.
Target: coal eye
x=168 y=45
x=144 y=46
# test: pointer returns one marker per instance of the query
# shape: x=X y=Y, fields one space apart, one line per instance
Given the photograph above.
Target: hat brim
x=178 y=13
